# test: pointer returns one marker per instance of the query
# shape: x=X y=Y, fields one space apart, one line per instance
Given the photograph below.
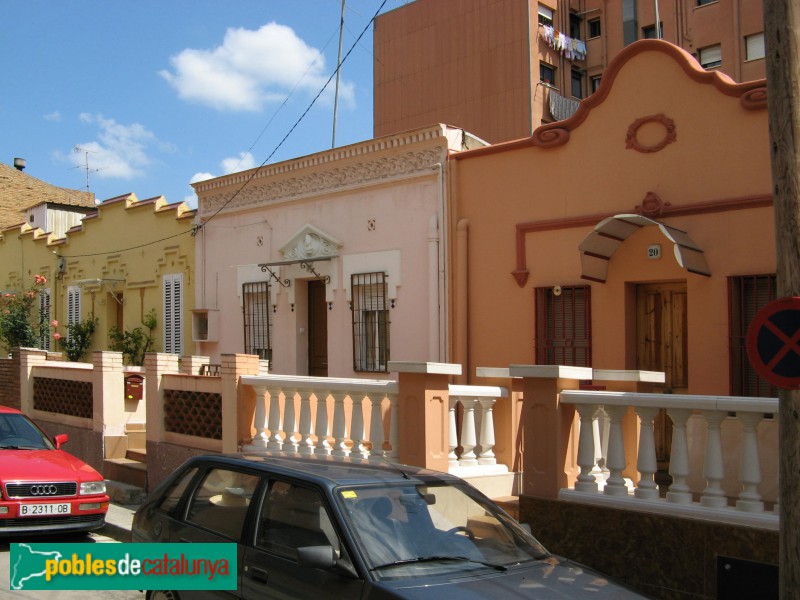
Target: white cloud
x=53 y=116
x=249 y=69
x=197 y=177
x=119 y=151
x=235 y=164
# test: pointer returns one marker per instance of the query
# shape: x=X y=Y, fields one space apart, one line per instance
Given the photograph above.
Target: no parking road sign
x=773 y=343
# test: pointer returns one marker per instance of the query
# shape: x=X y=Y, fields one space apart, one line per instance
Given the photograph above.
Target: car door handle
x=259 y=575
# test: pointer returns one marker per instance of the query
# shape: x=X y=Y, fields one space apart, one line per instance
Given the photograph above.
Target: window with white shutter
x=44 y=319
x=370 y=322
x=73 y=306
x=173 y=313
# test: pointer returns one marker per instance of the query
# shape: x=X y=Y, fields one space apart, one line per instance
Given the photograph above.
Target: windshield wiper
x=423 y=559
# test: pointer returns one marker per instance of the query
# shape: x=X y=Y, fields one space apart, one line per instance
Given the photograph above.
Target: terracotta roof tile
x=19 y=191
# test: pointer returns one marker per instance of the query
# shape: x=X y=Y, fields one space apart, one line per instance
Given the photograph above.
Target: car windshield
x=17 y=432
x=414 y=530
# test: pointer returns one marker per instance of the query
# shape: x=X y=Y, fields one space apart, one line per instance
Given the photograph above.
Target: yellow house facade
x=126 y=260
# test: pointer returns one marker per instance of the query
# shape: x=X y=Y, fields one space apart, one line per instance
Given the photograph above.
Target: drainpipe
x=442 y=313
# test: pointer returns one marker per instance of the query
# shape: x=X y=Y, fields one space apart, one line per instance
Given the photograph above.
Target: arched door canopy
x=598 y=247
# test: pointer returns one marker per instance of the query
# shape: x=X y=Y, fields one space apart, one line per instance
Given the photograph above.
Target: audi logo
x=43 y=490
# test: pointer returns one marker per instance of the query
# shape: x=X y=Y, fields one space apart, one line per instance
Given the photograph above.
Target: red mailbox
x=134 y=385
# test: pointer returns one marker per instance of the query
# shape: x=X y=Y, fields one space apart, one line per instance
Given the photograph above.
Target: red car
x=42 y=488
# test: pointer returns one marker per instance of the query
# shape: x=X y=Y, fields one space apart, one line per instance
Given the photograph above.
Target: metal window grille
x=44 y=319
x=257 y=324
x=747 y=295
x=370 y=322
x=173 y=315
x=564 y=326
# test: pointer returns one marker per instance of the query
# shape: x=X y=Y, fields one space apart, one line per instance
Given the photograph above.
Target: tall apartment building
x=501 y=68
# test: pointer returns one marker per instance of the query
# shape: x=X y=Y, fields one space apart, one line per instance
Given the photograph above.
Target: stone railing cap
x=550 y=372
x=431 y=368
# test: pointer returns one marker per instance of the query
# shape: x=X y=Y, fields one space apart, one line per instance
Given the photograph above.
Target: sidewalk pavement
x=119 y=519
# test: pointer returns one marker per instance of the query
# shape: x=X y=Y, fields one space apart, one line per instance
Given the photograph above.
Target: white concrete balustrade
x=477 y=429
x=358 y=418
x=323 y=415
x=712 y=502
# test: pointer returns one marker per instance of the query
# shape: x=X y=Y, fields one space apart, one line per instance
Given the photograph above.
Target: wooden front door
x=662 y=337
x=317 y=330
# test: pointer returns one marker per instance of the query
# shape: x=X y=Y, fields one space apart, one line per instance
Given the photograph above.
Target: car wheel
x=162 y=595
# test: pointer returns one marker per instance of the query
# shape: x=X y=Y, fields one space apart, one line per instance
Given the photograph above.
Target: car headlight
x=93 y=487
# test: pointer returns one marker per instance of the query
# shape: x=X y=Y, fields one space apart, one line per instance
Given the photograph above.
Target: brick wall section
x=9 y=381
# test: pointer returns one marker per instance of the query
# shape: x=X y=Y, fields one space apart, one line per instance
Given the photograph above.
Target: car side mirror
x=323 y=557
x=61 y=439
x=316 y=557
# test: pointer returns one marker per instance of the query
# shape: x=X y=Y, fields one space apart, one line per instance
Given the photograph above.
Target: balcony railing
x=707 y=414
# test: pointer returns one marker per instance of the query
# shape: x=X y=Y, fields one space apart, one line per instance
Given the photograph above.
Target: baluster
x=339 y=425
x=321 y=428
x=357 y=428
x=647 y=465
x=260 y=417
x=452 y=459
x=275 y=441
x=487 y=440
x=468 y=439
x=714 y=469
x=679 y=492
x=615 y=486
x=586 y=481
x=394 y=451
x=599 y=419
x=376 y=433
x=290 y=441
x=306 y=443
x=750 y=469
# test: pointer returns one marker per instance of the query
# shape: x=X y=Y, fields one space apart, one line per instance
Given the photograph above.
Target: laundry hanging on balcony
x=570 y=48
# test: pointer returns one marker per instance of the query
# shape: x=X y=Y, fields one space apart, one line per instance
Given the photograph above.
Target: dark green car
x=323 y=527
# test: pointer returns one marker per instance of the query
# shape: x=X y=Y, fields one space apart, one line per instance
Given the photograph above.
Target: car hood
x=41 y=465
x=551 y=579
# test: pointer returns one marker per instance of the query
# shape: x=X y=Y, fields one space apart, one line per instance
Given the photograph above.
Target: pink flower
x=40 y=279
x=56 y=336
x=53 y=323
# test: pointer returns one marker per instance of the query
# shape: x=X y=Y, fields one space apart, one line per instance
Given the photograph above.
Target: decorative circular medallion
x=651 y=133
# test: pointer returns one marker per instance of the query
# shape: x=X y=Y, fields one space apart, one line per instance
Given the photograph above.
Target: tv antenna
x=78 y=150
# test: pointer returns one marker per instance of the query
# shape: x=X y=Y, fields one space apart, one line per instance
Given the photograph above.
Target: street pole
x=782 y=40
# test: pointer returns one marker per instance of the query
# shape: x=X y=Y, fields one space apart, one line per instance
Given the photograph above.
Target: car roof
x=330 y=471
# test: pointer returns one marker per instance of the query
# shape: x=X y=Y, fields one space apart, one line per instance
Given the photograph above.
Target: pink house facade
x=331 y=264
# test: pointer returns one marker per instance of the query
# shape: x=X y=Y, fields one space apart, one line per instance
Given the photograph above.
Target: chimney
x=19 y=164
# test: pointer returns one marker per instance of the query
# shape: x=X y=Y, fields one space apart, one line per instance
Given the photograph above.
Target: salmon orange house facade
x=638 y=234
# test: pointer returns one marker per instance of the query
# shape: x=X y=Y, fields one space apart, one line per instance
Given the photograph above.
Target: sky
x=149 y=96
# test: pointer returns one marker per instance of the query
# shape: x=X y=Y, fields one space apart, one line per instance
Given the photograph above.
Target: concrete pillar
x=550 y=461
x=422 y=415
x=28 y=359
x=156 y=365
x=108 y=393
x=238 y=402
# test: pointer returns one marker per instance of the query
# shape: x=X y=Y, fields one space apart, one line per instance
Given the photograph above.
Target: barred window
x=564 y=326
x=44 y=319
x=257 y=324
x=747 y=295
x=370 y=322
